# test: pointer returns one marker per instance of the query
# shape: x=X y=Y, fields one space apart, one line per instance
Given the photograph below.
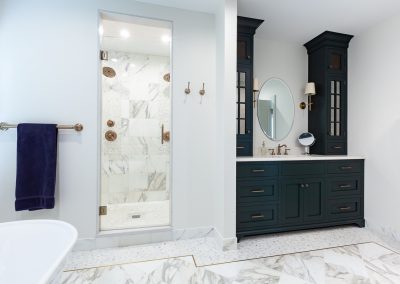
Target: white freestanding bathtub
x=34 y=251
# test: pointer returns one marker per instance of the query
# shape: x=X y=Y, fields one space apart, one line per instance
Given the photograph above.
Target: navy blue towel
x=36 y=166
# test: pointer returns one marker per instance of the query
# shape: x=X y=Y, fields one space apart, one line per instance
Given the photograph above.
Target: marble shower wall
x=135 y=167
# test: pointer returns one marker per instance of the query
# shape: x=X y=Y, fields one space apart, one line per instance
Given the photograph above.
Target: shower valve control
x=110 y=135
x=110 y=123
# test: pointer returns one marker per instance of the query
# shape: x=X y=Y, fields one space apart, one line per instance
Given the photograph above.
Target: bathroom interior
x=214 y=141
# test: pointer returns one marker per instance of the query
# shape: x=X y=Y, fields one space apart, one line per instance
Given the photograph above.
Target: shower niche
x=135 y=121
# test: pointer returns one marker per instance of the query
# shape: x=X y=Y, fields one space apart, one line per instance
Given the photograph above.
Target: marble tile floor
x=205 y=251
x=358 y=263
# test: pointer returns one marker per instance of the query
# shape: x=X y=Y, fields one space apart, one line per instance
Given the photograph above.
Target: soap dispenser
x=264 y=150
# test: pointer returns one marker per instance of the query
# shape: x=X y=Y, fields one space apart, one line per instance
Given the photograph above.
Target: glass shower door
x=135 y=125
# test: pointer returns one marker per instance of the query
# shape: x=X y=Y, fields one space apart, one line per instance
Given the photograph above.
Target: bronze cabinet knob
x=110 y=135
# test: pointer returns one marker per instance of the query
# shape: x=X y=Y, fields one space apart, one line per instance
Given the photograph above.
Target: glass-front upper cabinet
x=327 y=68
x=243 y=103
x=244 y=111
x=246 y=28
x=337 y=107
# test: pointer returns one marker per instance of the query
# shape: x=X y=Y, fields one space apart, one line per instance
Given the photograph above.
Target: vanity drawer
x=243 y=148
x=260 y=169
x=346 y=185
x=338 y=148
x=255 y=216
x=344 y=208
x=301 y=168
x=344 y=166
x=257 y=191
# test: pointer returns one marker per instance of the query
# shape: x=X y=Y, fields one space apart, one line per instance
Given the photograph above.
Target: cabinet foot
x=361 y=223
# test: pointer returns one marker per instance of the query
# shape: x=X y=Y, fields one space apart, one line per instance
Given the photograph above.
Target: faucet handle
x=272 y=151
x=286 y=151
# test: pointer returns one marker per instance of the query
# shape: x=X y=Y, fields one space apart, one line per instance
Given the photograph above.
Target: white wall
x=50 y=54
x=286 y=61
x=225 y=195
x=374 y=120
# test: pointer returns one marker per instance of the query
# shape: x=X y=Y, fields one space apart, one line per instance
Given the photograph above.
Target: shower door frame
x=120 y=17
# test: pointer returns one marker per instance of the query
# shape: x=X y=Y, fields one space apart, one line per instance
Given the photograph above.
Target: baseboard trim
x=225 y=244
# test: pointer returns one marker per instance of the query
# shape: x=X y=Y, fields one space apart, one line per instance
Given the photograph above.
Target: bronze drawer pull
x=346 y=168
x=344 y=208
x=258 y=191
x=258 y=171
x=240 y=147
x=345 y=186
x=337 y=147
x=257 y=216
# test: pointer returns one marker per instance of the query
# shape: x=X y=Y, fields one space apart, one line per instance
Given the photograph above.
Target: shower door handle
x=165 y=136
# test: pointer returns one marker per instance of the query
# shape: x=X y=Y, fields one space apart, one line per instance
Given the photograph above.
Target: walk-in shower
x=135 y=122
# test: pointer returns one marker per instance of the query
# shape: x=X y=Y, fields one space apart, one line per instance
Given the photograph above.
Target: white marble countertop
x=295 y=158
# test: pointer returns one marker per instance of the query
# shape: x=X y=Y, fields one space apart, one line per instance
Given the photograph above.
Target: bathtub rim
x=55 y=265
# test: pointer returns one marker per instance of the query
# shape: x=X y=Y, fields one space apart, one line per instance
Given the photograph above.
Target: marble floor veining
x=358 y=263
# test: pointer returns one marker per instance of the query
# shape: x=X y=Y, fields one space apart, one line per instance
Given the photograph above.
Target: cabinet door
x=337 y=114
x=244 y=49
x=291 y=201
x=337 y=60
x=244 y=111
x=313 y=200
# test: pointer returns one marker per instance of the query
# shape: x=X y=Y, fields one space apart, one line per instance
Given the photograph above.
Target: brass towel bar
x=77 y=127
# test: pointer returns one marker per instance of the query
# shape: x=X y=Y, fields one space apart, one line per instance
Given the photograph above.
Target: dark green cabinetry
x=246 y=29
x=291 y=195
x=327 y=68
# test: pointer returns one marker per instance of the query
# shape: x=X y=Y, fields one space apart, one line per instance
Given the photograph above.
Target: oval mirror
x=275 y=109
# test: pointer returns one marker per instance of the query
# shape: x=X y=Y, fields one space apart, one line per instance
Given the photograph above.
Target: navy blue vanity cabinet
x=327 y=68
x=257 y=196
x=302 y=192
x=345 y=189
x=292 y=195
x=246 y=28
x=302 y=200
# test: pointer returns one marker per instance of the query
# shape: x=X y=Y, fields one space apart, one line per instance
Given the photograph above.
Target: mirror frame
x=294 y=109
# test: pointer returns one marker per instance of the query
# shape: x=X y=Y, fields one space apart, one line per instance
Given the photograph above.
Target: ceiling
x=143 y=38
x=208 y=6
x=300 y=20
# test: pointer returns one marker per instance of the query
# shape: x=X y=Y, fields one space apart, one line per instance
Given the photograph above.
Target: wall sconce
x=256 y=89
x=308 y=91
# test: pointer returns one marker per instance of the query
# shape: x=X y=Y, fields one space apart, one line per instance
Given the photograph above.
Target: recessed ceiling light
x=166 y=39
x=124 y=33
x=114 y=59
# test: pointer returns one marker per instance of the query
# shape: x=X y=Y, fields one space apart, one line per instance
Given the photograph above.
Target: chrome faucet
x=279 y=148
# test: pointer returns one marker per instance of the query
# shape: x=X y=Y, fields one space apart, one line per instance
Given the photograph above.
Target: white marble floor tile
x=360 y=263
x=174 y=270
